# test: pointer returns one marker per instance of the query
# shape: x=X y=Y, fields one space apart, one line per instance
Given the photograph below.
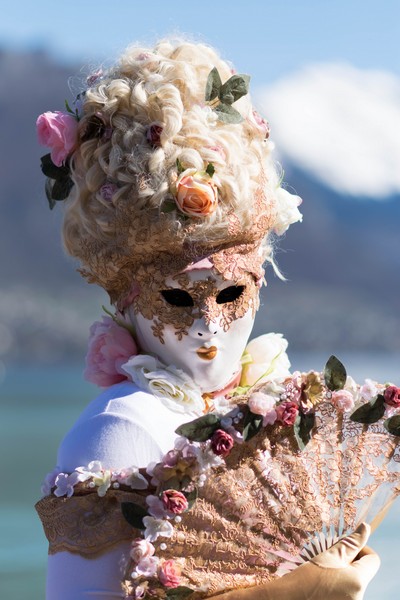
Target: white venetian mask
x=198 y=322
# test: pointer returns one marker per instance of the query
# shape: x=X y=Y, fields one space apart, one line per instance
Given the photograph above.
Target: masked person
x=172 y=202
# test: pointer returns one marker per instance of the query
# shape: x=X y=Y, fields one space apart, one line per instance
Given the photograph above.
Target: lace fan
x=330 y=460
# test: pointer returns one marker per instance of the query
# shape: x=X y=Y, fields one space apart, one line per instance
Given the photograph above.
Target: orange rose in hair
x=196 y=193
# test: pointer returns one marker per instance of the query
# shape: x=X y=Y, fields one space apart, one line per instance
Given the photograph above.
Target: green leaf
x=179 y=593
x=134 y=514
x=233 y=89
x=179 y=166
x=241 y=390
x=213 y=85
x=302 y=429
x=335 y=374
x=69 y=109
x=51 y=170
x=252 y=425
x=48 y=189
x=392 y=425
x=61 y=188
x=228 y=114
x=168 y=207
x=370 y=412
x=210 y=169
x=200 y=429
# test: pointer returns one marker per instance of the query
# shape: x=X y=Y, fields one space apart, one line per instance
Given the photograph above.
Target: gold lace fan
x=272 y=505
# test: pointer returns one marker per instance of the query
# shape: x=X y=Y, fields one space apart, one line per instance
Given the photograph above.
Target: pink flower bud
x=221 y=443
x=287 y=412
x=153 y=134
x=174 y=501
x=59 y=132
x=169 y=574
x=392 y=396
x=110 y=345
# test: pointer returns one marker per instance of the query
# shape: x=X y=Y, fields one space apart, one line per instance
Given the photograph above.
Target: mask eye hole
x=230 y=294
x=177 y=297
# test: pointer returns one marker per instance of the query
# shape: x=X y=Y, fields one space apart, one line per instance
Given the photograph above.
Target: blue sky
x=266 y=38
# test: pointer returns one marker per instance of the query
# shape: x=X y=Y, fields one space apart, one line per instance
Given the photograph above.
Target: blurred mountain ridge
x=342 y=263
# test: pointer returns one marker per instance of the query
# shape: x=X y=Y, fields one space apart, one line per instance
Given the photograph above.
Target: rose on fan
x=392 y=396
x=265 y=358
x=287 y=412
x=175 y=502
x=287 y=211
x=221 y=443
x=196 y=193
x=263 y=405
x=140 y=549
x=169 y=573
x=59 y=132
x=343 y=399
x=110 y=345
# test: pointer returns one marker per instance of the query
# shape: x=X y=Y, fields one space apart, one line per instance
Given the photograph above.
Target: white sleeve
x=122 y=427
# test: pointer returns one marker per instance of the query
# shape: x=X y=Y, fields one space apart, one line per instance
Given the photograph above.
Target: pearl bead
x=92 y=484
x=178 y=519
x=163 y=546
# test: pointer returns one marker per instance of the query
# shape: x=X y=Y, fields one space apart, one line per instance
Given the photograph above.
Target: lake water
x=37 y=408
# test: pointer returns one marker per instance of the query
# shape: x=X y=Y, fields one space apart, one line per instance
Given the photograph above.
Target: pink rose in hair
x=110 y=346
x=392 y=396
x=221 y=443
x=153 y=134
x=59 y=132
x=196 y=193
x=108 y=190
x=174 y=501
x=169 y=573
x=287 y=412
x=261 y=124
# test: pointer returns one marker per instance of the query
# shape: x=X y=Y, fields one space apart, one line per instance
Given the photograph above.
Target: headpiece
x=164 y=162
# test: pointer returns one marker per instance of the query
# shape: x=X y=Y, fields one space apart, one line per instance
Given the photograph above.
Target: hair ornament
x=59 y=132
x=221 y=96
x=196 y=192
x=156 y=177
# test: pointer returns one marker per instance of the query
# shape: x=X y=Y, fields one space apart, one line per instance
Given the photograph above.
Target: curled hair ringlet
x=139 y=222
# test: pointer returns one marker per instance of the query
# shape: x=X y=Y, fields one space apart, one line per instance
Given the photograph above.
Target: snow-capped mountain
x=341 y=125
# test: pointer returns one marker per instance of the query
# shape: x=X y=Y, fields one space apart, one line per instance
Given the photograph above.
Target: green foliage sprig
x=221 y=96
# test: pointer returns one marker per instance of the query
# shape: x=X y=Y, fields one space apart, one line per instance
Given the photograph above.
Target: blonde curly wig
x=137 y=221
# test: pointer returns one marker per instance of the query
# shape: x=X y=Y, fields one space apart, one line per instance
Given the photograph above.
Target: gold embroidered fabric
x=86 y=524
x=138 y=237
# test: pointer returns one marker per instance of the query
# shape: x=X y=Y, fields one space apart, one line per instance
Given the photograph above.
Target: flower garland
x=203 y=445
x=113 y=356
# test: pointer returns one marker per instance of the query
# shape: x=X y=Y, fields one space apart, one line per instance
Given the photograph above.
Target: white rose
x=265 y=359
x=171 y=385
x=287 y=210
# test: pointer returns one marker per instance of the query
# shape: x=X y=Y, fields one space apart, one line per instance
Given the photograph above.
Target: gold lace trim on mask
x=151 y=304
x=86 y=524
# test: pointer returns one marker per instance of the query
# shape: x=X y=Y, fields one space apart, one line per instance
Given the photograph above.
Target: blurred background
x=326 y=75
